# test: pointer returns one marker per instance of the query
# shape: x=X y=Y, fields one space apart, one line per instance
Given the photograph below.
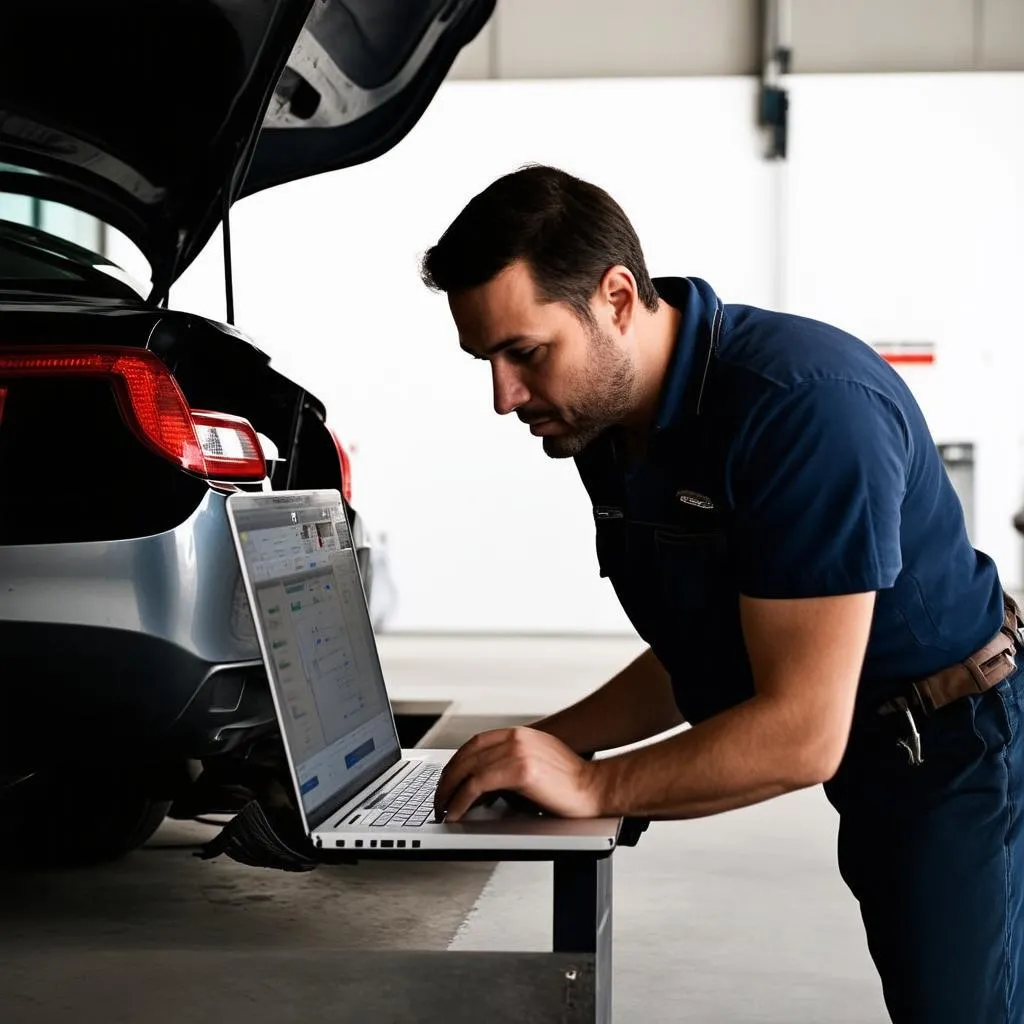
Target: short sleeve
x=817 y=476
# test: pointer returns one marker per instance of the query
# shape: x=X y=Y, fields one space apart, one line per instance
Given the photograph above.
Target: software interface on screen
x=336 y=716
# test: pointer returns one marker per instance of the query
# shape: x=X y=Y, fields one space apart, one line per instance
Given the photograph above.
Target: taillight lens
x=345 y=465
x=211 y=445
x=229 y=445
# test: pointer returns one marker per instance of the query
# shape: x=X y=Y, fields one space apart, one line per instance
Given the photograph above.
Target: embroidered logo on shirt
x=695 y=499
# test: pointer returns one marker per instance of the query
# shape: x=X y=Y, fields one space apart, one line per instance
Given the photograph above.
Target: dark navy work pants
x=935 y=856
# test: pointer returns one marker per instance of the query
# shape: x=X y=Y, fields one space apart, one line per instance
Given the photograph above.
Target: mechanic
x=779 y=527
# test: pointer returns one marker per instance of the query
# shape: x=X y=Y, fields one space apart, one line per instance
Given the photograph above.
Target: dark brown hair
x=567 y=231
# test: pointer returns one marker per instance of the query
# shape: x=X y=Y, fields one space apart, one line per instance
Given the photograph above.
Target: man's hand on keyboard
x=521 y=760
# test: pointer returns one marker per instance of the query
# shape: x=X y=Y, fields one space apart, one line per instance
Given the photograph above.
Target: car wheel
x=54 y=822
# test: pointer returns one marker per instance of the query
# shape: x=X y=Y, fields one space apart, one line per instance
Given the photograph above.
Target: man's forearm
x=747 y=754
x=633 y=705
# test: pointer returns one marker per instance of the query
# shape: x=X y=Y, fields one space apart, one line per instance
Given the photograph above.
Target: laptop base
x=498 y=827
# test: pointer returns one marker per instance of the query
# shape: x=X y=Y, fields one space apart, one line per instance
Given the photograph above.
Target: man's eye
x=524 y=355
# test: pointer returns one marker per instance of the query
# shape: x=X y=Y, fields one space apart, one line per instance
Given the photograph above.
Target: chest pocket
x=694 y=568
x=669 y=572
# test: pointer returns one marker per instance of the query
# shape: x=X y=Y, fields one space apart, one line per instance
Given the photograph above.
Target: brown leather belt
x=976 y=674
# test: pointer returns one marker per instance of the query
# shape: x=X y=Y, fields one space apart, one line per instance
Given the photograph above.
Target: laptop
x=355 y=787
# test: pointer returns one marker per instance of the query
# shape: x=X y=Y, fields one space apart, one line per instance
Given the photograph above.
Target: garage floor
x=741 y=917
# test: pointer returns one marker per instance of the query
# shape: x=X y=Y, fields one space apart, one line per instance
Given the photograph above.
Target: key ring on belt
x=974 y=675
x=912 y=745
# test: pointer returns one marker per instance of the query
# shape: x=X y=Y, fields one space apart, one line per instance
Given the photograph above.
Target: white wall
x=485 y=533
x=905 y=221
x=901 y=217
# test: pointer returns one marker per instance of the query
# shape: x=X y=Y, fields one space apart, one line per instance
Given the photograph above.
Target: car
x=132 y=684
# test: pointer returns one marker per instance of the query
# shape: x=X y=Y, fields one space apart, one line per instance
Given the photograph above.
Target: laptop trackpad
x=496 y=812
x=499 y=806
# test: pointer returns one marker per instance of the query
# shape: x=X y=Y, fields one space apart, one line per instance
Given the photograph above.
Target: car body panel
x=181 y=586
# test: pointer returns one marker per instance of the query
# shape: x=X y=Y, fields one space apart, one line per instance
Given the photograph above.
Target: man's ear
x=617 y=294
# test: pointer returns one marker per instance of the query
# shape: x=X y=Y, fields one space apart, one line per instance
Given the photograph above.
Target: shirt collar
x=699 y=323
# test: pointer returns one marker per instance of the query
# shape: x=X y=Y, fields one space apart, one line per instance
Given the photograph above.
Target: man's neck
x=656 y=340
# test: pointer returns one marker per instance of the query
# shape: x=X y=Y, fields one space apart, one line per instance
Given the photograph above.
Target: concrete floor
x=164 y=898
x=162 y=936
x=739 y=917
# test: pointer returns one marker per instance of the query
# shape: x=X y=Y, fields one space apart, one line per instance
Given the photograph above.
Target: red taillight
x=345 y=465
x=229 y=445
x=209 y=444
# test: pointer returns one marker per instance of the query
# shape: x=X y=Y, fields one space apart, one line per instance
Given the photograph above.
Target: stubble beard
x=605 y=393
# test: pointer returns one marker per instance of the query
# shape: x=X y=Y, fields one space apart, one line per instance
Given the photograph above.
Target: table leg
x=583 y=921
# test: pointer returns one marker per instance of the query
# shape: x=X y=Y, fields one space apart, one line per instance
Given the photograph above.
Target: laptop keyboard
x=409 y=805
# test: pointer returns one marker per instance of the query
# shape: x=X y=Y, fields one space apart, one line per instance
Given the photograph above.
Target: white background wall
x=905 y=221
x=898 y=216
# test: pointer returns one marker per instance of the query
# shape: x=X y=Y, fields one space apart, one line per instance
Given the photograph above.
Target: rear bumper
x=72 y=689
x=143 y=643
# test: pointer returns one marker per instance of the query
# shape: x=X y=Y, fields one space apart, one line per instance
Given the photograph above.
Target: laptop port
x=339 y=842
x=401 y=844
x=387 y=844
x=373 y=844
x=359 y=844
x=415 y=844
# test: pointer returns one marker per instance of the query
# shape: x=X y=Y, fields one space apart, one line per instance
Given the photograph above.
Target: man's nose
x=509 y=391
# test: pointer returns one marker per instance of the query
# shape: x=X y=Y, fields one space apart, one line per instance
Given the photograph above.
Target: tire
x=49 y=822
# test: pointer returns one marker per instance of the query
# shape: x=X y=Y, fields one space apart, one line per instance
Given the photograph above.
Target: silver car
x=132 y=684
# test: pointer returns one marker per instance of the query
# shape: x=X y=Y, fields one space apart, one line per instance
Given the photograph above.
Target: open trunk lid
x=155 y=116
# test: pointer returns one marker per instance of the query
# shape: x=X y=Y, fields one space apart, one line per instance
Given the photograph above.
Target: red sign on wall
x=920 y=353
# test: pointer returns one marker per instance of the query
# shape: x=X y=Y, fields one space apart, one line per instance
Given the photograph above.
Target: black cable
x=229 y=291
x=202 y=820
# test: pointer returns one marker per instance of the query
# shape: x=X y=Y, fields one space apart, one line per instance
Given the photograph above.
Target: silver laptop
x=355 y=787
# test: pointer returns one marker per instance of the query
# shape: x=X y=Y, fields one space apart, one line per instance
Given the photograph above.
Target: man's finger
x=464 y=765
x=498 y=775
x=464 y=760
x=455 y=771
x=470 y=769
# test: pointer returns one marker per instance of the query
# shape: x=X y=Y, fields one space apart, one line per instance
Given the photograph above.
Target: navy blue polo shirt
x=787 y=460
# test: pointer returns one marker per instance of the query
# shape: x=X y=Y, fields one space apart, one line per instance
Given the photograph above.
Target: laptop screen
x=318 y=644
